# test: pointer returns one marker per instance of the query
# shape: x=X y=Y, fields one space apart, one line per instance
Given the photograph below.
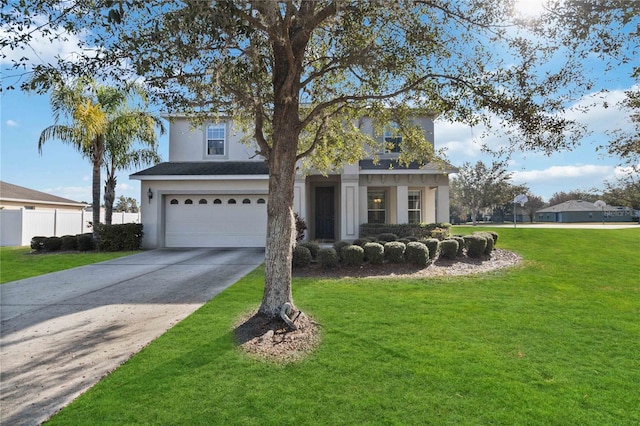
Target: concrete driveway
x=62 y=332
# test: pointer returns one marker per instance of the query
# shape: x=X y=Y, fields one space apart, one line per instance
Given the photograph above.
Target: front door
x=325 y=213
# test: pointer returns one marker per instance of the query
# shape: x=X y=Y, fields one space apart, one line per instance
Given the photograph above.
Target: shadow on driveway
x=63 y=332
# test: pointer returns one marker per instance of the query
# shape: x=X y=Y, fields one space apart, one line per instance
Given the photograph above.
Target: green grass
x=552 y=342
x=17 y=263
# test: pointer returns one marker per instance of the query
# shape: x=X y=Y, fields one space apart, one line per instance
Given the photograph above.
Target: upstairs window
x=216 y=139
x=392 y=138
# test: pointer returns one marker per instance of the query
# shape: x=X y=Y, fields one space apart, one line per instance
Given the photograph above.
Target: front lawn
x=553 y=341
x=17 y=263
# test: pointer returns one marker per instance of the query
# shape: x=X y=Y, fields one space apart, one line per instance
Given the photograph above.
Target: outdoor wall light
x=150 y=195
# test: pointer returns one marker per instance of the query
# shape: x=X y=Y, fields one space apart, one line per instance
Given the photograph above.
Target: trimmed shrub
x=440 y=233
x=362 y=241
x=387 y=237
x=394 y=252
x=404 y=241
x=37 y=243
x=126 y=236
x=69 y=242
x=374 y=253
x=432 y=244
x=460 y=241
x=449 y=249
x=313 y=247
x=352 y=255
x=52 y=243
x=328 y=258
x=475 y=244
x=490 y=241
x=417 y=253
x=411 y=238
x=338 y=247
x=301 y=256
x=495 y=237
x=86 y=242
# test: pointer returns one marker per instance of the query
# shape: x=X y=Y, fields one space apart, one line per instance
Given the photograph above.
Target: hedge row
x=79 y=242
x=123 y=237
x=403 y=250
x=403 y=230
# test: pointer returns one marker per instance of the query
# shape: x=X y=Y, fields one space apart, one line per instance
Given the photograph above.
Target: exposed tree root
x=272 y=338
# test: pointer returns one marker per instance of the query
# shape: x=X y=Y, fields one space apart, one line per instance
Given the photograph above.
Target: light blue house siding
x=575 y=211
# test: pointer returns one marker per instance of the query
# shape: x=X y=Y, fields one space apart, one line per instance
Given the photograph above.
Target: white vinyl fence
x=17 y=227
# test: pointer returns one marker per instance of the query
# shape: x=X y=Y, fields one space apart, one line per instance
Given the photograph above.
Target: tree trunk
x=96 y=194
x=109 y=197
x=280 y=229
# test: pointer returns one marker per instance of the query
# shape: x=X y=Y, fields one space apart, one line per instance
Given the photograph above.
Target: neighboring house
x=19 y=197
x=213 y=191
x=25 y=213
x=585 y=211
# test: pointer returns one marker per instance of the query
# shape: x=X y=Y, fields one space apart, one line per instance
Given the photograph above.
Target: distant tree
x=533 y=204
x=502 y=206
x=477 y=186
x=576 y=194
x=624 y=191
x=127 y=205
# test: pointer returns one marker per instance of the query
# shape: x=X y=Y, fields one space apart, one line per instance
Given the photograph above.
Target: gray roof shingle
x=15 y=192
x=206 y=168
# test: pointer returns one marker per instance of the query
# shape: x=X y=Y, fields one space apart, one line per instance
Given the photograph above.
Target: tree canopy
x=298 y=75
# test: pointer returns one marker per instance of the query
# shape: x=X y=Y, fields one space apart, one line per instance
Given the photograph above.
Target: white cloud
x=11 y=123
x=560 y=174
x=40 y=48
x=75 y=193
x=601 y=111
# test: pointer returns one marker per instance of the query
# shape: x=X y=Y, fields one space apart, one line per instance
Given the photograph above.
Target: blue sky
x=61 y=171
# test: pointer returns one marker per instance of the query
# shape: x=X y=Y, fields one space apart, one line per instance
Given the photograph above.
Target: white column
x=429 y=205
x=300 y=203
x=402 y=204
x=349 y=207
x=364 y=209
x=299 y=198
x=442 y=204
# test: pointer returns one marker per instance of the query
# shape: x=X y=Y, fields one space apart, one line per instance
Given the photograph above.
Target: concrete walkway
x=62 y=332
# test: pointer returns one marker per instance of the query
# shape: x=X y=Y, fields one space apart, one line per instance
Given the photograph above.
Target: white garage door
x=215 y=220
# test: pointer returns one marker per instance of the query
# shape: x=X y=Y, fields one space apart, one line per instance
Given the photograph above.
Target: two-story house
x=213 y=191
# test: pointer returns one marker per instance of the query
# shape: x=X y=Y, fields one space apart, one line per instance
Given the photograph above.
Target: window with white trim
x=376 y=207
x=392 y=138
x=216 y=137
x=415 y=206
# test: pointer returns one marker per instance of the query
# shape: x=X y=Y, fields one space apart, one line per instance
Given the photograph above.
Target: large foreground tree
x=300 y=74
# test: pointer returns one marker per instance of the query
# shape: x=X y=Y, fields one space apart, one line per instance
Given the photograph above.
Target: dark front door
x=325 y=213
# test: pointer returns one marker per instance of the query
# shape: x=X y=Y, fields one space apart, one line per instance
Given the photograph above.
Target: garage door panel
x=215 y=225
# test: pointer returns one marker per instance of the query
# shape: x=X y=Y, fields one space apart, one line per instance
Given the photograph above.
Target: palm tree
x=96 y=115
x=127 y=128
